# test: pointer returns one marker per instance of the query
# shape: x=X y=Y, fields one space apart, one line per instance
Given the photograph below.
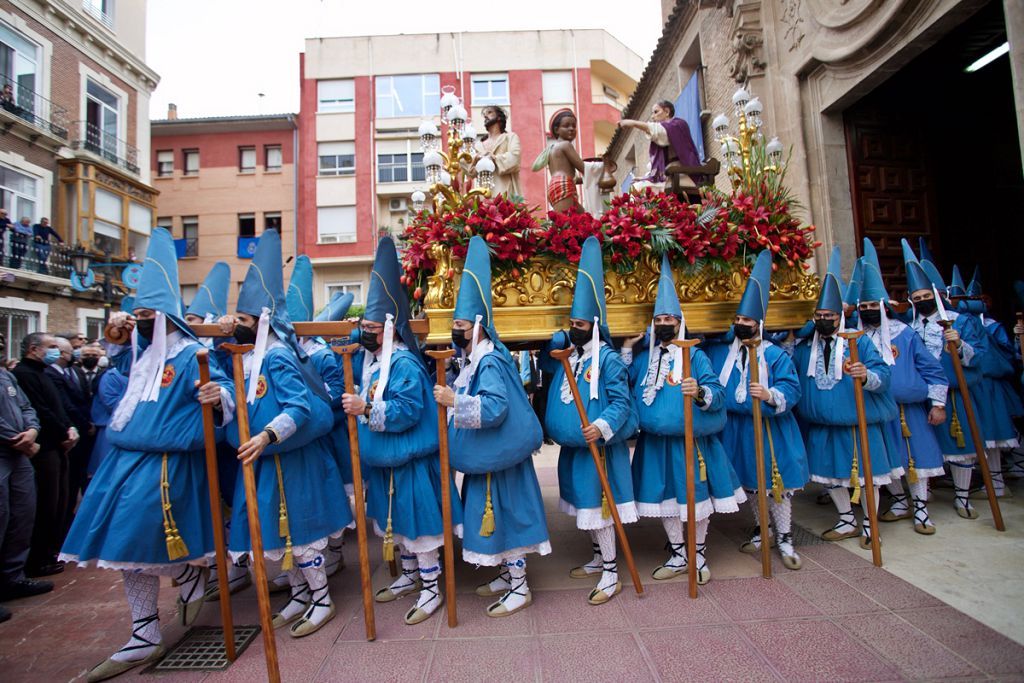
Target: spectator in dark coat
x=77 y=397
x=57 y=436
x=41 y=234
x=19 y=427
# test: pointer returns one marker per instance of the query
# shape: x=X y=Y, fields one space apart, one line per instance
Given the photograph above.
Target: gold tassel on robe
x=176 y=548
x=855 y=471
x=702 y=468
x=389 y=536
x=955 y=429
x=778 y=489
x=911 y=470
x=288 y=561
x=487 y=523
x=606 y=510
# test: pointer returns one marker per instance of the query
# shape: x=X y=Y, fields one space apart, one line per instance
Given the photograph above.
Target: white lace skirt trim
x=203 y=561
x=589 y=519
x=481 y=560
x=702 y=509
x=277 y=554
x=423 y=544
x=879 y=479
x=964 y=459
x=930 y=472
x=1006 y=443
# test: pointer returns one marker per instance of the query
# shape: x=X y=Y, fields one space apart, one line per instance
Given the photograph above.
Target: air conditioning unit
x=398 y=205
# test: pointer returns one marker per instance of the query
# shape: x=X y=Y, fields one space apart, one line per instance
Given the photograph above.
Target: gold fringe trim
x=778 y=489
x=855 y=470
x=176 y=548
x=911 y=470
x=487 y=523
x=287 y=562
x=702 y=468
x=956 y=430
x=606 y=510
x=389 y=536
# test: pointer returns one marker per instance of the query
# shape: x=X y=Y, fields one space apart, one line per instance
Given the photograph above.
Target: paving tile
x=484 y=659
x=704 y=653
x=568 y=611
x=381 y=662
x=916 y=654
x=817 y=650
x=670 y=604
x=759 y=598
x=991 y=652
x=829 y=593
x=833 y=557
x=887 y=589
x=390 y=624
x=592 y=657
x=474 y=622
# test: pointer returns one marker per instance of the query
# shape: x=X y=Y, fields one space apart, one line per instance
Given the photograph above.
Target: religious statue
x=670 y=141
x=502 y=147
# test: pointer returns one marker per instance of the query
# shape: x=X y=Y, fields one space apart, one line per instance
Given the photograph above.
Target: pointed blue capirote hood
x=852 y=292
x=299 y=297
x=956 y=283
x=667 y=301
x=158 y=288
x=475 y=297
x=336 y=309
x=263 y=287
x=917 y=279
x=754 y=303
x=872 y=286
x=588 y=299
x=930 y=267
x=831 y=297
x=974 y=288
x=387 y=295
x=212 y=296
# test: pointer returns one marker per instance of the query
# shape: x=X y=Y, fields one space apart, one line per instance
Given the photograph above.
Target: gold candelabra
x=745 y=154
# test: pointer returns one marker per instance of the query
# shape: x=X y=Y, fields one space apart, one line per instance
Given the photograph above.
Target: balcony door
x=101 y=121
x=19 y=68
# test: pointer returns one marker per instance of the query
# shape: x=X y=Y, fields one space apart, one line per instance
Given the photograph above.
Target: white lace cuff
x=709 y=396
x=378 y=415
x=284 y=426
x=873 y=382
x=937 y=394
x=778 y=399
x=467 y=412
x=626 y=355
x=966 y=352
x=606 y=430
x=227 y=407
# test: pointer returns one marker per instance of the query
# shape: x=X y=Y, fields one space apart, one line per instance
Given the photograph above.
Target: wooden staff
x=252 y=508
x=563 y=356
x=446 y=493
x=865 y=451
x=762 y=483
x=213 y=479
x=691 y=493
x=357 y=486
x=972 y=422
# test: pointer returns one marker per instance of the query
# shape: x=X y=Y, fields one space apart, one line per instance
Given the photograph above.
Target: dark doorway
x=934 y=152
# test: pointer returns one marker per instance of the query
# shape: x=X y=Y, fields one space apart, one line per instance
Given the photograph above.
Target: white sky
x=215 y=56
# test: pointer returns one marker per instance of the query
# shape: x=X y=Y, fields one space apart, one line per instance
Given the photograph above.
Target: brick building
x=363 y=99
x=223 y=181
x=73 y=129
x=901 y=118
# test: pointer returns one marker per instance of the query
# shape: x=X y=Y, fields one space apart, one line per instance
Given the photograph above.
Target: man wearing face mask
x=75 y=393
x=398 y=441
x=954 y=434
x=57 y=435
x=778 y=388
x=603 y=383
x=919 y=387
x=659 y=462
x=828 y=408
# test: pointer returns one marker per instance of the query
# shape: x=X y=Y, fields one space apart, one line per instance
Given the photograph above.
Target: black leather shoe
x=24 y=588
x=5 y=614
x=44 y=570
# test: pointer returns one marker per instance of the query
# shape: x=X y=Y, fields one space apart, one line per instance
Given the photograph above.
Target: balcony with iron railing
x=91 y=138
x=22 y=106
x=20 y=252
x=95 y=10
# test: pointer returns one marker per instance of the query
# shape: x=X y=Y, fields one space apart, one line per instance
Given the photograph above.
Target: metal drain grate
x=804 y=537
x=202 y=649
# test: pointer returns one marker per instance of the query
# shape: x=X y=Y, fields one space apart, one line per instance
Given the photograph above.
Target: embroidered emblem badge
x=895 y=351
x=168 y=376
x=261 y=386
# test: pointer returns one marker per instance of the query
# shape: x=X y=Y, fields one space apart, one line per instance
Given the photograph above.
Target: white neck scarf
x=146 y=374
x=259 y=352
x=837 y=355
x=385 y=357
x=481 y=347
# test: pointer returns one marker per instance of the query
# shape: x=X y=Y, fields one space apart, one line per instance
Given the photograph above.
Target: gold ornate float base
x=534 y=305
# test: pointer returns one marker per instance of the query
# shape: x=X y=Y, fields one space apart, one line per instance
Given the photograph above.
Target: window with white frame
x=490 y=89
x=94 y=327
x=416 y=95
x=19 y=67
x=336 y=224
x=19 y=194
x=401 y=164
x=557 y=87
x=15 y=324
x=246 y=159
x=100 y=10
x=101 y=120
x=272 y=220
x=165 y=222
x=272 y=157
x=353 y=288
x=190 y=161
x=190 y=233
x=338 y=96
x=165 y=163
x=337 y=158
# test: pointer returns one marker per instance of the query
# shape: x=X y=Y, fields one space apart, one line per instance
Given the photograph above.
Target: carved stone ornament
x=747 y=60
x=793 y=21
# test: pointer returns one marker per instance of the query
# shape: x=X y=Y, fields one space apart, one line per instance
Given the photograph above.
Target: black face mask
x=825 y=327
x=744 y=332
x=244 y=334
x=460 y=339
x=579 y=337
x=90 y=362
x=926 y=307
x=871 y=316
x=145 y=328
x=664 y=333
x=369 y=340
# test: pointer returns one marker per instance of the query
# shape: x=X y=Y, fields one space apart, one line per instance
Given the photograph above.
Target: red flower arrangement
x=563 y=233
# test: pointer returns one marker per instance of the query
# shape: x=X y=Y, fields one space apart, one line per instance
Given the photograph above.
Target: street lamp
x=84 y=267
